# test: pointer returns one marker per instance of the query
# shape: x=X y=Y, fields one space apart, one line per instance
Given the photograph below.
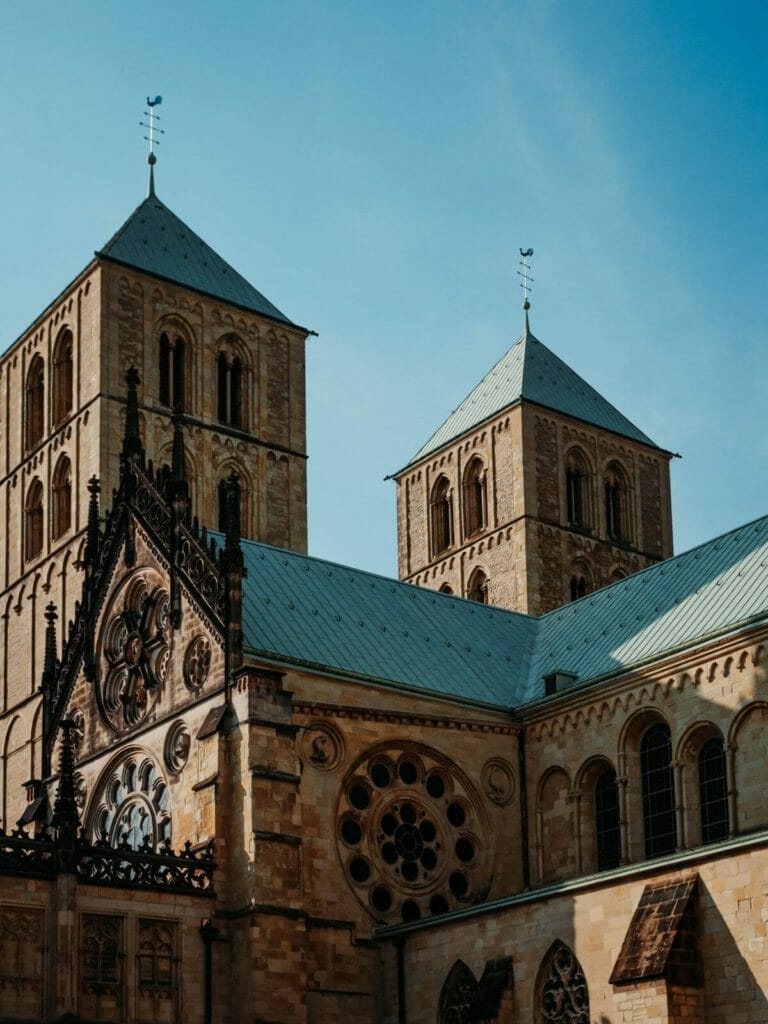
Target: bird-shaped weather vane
x=152 y=141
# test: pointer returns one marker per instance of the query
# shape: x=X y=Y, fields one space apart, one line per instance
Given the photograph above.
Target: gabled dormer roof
x=157 y=242
x=531 y=372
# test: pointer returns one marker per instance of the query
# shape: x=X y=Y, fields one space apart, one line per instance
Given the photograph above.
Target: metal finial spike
x=151 y=138
x=526 y=282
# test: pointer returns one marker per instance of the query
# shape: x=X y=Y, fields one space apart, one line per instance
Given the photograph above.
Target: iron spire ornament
x=151 y=140
x=526 y=282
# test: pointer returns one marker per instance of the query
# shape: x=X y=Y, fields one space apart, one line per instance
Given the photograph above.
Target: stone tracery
x=411 y=835
x=131 y=806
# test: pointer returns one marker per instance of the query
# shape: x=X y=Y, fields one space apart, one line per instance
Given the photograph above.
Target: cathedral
x=523 y=783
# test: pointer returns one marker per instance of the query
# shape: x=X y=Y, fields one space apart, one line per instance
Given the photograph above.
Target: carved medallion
x=499 y=782
x=177 y=745
x=323 y=746
x=81 y=790
x=78 y=728
x=412 y=834
x=197 y=662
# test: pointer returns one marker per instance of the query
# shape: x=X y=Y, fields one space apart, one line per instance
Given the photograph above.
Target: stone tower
x=204 y=340
x=533 y=492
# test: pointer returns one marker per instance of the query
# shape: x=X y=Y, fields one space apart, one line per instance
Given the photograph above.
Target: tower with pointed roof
x=533 y=492
x=206 y=344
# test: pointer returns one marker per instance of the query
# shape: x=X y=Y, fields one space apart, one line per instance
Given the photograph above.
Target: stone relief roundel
x=412 y=834
x=499 y=781
x=197 y=662
x=177 y=745
x=131 y=805
x=323 y=746
x=134 y=649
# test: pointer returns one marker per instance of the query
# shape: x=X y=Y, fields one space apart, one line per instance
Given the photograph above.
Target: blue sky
x=374 y=168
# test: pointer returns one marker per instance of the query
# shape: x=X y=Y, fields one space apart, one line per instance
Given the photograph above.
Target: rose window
x=134 y=651
x=411 y=836
x=132 y=807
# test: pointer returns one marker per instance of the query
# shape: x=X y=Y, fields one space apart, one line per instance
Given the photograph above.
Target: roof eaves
x=339 y=673
x=101 y=255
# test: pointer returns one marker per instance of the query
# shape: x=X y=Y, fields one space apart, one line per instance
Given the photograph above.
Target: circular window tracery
x=408 y=832
x=132 y=806
x=134 y=651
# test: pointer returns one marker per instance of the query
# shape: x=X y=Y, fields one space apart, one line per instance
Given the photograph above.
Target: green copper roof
x=154 y=240
x=306 y=612
x=530 y=371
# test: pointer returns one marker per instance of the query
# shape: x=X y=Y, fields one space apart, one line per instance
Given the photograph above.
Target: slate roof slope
x=155 y=240
x=531 y=371
x=303 y=610
x=707 y=591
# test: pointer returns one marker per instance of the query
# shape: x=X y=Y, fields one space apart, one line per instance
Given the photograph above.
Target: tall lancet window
x=173 y=354
x=474 y=497
x=33 y=521
x=441 y=508
x=34 y=396
x=230 y=390
x=62 y=376
x=61 y=509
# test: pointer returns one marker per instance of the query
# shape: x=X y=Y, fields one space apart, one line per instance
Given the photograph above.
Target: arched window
x=172 y=370
x=230 y=390
x=713 y=792
x=441 y=507
x=446 y=589
x=577 y=503
x=477 y=589
x=581 y=581
x=473 y=490
x=658 y=791
x=607 y=821
x=563 y=997
x=62 y=376
x=34 y=420
x=61 y=507
x=616 y=492
x=578 y=587
x=33 y=521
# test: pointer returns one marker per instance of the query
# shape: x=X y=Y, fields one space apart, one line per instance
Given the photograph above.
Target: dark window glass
x=441 y=517
x=165 y=370
x=474 y=497
x=713 y=792
x=222 y=387
x=35 y=396
x=658 y=792
x=34 y=521
x=579 y=587
x=178 y=373
x=574 y=493
x=478 y=587
x=607 y=821
x=235 y=393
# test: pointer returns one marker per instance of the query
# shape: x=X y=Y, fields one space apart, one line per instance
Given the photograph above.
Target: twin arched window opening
x=230 y=390
x=578 y=497
x=441 y=515
x=474 y=497
x=172 y=371
x=477 y=590
x=473 y=502
x=616 y=495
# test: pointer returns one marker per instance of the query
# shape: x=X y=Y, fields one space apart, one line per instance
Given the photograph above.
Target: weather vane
x=525 y=273
x=153 y=131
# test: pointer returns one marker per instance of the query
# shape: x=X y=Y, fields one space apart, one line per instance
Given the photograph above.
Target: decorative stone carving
x=323 y=746
x=412 y=834
x=197 y=662
x=564 y=996
x=81 y=790
x=132 y=805
x=78 y=728
x=499 y=781
x=134 y=651
x=177 y=744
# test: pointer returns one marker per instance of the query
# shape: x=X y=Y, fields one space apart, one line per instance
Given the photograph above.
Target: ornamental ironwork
x=189 y=871
x=411 y=835
x=564 y=995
